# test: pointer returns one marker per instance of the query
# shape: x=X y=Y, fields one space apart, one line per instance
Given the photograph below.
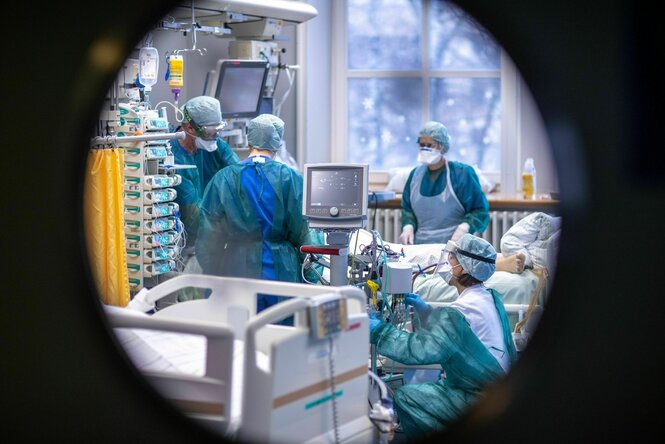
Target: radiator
x=389 y=224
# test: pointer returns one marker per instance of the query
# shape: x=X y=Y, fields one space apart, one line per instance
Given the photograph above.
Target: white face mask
x=206 y=145
x=428 y=156
x=446 y=272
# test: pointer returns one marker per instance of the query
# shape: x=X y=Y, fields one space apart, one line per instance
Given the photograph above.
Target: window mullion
x=425 y=61
x=339 y=136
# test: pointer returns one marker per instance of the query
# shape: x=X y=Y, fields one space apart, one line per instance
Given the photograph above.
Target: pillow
x=531 y=236
x=398 y=178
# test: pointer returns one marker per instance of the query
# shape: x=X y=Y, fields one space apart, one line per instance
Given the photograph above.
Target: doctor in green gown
x=470 y=339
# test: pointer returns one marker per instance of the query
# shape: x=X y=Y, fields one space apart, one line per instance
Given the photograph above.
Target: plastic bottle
x=148 y=66
x=176 y=82
x=529 y=179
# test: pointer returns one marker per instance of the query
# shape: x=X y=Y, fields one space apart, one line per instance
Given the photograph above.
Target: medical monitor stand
x=337 y=247
x=339 y=263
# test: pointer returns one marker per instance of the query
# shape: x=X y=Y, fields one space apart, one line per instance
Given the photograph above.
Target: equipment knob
x=334 y=211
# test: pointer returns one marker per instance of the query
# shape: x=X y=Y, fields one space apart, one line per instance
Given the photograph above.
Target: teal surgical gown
x=444 y=338
x=194 y=180
x=251 y=223
x=466 y=187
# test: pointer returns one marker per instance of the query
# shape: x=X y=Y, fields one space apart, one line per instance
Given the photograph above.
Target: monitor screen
x=335 y=195
x=338 y=188
x=240 y=87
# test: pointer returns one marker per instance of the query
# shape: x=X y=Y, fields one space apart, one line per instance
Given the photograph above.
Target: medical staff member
x=442 y=199
x=470 y=339
x=251 y=222
x=203 y=148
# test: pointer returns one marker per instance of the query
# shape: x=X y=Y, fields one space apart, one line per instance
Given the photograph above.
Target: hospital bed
x=245 y=376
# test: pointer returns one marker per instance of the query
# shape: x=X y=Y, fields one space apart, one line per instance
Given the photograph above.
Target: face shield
x=444 y=259
x=467 y=258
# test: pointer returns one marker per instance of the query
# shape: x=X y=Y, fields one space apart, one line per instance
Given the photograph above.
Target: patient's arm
x=513 y=263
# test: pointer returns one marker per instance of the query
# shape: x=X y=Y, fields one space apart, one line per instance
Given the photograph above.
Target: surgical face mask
x=206 y=145
x=446 y=272
x=429 y=156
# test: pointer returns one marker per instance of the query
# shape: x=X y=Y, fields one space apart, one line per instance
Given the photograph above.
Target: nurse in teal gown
x=470 y=340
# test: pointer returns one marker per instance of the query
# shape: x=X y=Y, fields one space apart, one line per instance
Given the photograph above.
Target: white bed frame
x=291 y=399
x=206 y=399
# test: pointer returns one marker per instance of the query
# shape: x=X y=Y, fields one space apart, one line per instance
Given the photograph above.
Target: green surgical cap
x=203 y=110
x=438 y=132
x=265 y=132
x=479 y=247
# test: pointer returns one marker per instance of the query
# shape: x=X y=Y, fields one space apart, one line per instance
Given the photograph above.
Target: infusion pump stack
x=335 y=199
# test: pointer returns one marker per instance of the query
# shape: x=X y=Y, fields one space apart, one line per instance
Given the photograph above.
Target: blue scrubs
x=262 y=199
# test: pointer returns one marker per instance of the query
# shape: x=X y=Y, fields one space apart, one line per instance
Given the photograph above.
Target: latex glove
x=461 y=230
x=407 y=235
x=417 y=303
x=373 y=322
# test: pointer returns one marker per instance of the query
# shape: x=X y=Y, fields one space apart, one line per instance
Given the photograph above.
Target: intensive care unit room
x=321 y=221
x=335 y=221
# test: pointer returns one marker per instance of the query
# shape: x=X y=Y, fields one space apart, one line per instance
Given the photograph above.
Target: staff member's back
x=251 y=215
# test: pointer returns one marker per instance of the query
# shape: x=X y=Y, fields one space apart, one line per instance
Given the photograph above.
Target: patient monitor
x=335 y=201
x=335 y=195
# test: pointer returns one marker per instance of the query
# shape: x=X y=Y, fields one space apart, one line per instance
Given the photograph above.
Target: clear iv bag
x=148 y=66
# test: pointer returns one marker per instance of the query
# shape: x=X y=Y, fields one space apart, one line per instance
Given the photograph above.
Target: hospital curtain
x=104 y=225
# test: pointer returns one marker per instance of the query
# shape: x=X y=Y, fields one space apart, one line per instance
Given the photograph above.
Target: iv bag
x=148 y=66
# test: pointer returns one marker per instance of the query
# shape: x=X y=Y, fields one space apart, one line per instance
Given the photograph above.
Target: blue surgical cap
x=203 y=110
x=477 y=246
x=438 y=132
x=265 y=132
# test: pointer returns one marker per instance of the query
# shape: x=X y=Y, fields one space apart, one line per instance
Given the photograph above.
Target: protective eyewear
x=208 y=132
x=205 y=132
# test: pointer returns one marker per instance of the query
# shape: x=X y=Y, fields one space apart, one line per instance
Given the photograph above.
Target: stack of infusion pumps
x=153 y=231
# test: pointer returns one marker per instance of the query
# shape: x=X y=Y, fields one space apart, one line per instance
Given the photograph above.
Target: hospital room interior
x=321 y=221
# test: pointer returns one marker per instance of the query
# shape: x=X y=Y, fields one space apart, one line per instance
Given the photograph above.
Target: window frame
x=510 y=98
